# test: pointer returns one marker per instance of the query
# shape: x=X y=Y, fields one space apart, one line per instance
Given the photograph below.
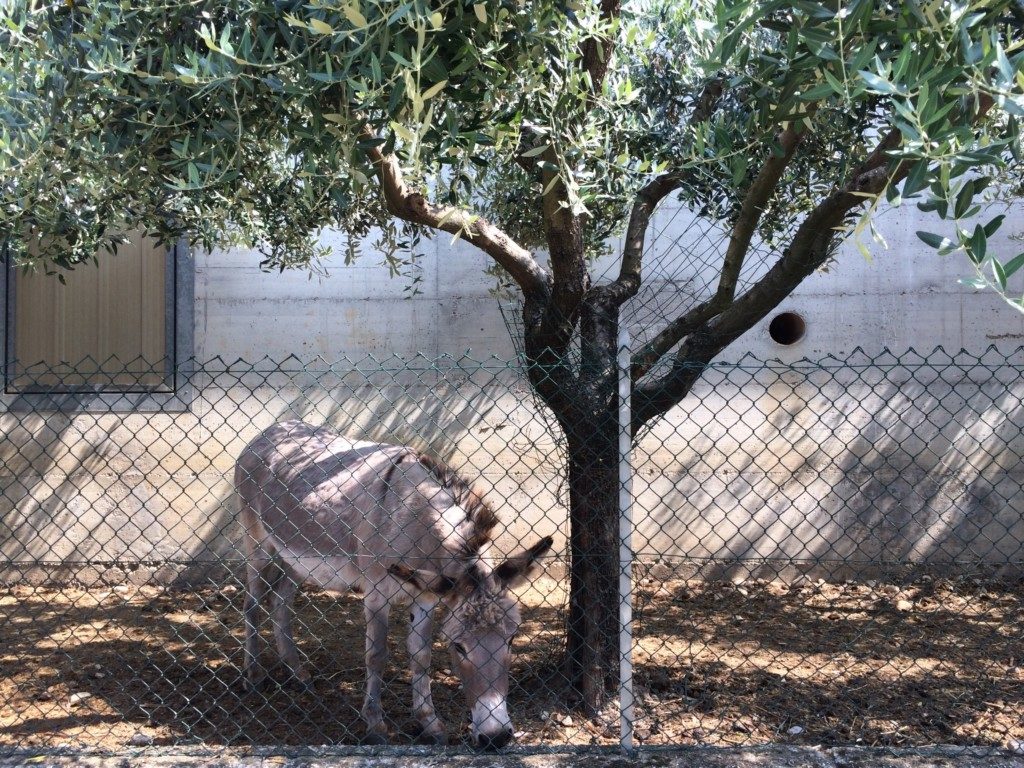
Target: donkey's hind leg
x=282 y=613
x=376 y=609
x=261 y=576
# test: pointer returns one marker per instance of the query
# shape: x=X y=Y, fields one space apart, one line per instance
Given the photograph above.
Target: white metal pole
x=625 y=545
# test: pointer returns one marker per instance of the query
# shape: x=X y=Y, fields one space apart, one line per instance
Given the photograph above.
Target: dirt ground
x=872 y=664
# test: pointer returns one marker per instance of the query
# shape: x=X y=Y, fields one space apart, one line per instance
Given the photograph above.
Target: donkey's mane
x=466 y=496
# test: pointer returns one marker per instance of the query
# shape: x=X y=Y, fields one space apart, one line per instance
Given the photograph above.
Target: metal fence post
x=625 y=544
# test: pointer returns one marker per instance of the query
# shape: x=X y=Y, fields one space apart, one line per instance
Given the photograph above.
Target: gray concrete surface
x=904 y=296
x=773 y=756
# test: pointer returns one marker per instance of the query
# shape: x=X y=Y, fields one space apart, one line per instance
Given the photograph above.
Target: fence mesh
x=826 y=552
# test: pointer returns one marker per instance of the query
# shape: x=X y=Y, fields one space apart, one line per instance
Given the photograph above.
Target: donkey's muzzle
x=492 y=741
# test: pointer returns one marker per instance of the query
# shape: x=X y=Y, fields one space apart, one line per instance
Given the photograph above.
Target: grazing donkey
x=397 y=527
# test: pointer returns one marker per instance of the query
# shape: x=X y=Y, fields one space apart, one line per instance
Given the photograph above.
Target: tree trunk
x=592 y=650
x=584 y=398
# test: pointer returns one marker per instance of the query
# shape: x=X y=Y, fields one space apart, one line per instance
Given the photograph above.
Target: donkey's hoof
x=431 y=735
x=374 y=739
x=432 y=738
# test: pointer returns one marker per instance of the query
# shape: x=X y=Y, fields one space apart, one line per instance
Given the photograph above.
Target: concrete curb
x=772 y=756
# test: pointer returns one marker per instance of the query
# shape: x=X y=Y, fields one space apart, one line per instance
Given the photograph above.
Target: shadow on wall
x=41 y=455
x=84 y=490
x=840 y=472
x=841 y=475
x=105 y=497
x=433 y=419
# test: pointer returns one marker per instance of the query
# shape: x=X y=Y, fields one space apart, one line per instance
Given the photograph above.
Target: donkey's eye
x=459 y=648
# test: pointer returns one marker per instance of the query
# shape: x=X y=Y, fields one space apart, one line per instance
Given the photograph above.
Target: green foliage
x=846 y=74
x=251 y=121
x=243 y=121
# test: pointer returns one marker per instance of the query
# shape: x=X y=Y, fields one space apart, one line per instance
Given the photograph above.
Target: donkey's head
x=481 y=621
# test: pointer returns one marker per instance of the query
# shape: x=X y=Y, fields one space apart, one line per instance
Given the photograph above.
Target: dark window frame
x=174 y=394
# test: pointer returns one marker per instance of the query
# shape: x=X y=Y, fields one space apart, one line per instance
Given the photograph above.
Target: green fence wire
x=826 y=552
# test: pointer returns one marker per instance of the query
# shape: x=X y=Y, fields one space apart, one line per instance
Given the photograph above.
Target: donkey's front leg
x=282 y=613
x=376 y=609
x=421 y=621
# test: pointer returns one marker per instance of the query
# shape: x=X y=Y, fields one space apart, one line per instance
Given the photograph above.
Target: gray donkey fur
x=397 y=527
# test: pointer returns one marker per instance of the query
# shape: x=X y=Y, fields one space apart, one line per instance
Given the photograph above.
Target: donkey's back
x=330 y=509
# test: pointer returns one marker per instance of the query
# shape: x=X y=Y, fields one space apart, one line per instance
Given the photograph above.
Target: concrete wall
x=354 y=311
x=815 y=469
x=906 y=296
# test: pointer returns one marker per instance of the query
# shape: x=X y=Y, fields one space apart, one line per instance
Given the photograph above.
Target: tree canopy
x=262 y=122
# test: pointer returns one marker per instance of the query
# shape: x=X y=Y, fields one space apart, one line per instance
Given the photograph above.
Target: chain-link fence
x=823 y=552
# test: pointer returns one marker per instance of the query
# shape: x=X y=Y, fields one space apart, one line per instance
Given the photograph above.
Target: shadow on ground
x=716 y=663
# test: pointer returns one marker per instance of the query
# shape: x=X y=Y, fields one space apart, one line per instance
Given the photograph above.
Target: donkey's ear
x=518 y=568
x=405 y=573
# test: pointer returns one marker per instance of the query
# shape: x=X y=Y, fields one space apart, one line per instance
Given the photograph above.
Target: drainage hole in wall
x=787 y=328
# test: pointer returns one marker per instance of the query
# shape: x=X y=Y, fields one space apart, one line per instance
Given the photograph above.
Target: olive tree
x=535 y=131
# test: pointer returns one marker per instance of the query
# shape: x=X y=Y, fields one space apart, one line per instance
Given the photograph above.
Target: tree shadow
x=440 y=413
x=841 y=662
x=105 y=497
x=795 y=474
x=712 y=665
x=44 y=518
x=168 y=663
x=61 y=523
x=839 y=473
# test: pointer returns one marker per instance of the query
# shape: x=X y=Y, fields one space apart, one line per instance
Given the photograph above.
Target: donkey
x=397 y=527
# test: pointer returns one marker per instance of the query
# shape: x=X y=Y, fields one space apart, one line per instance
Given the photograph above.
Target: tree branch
x=753 y=206
x=413 y=206
x=809 y=249
x=597 y=51
x=751 y=210
x=531 y=165
x=647 y=200
x=649 y=355
x=707 y=336
x=570 y=276
x=707 y=102
x=547 y=366
x=563 y=228
x=547 y=369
